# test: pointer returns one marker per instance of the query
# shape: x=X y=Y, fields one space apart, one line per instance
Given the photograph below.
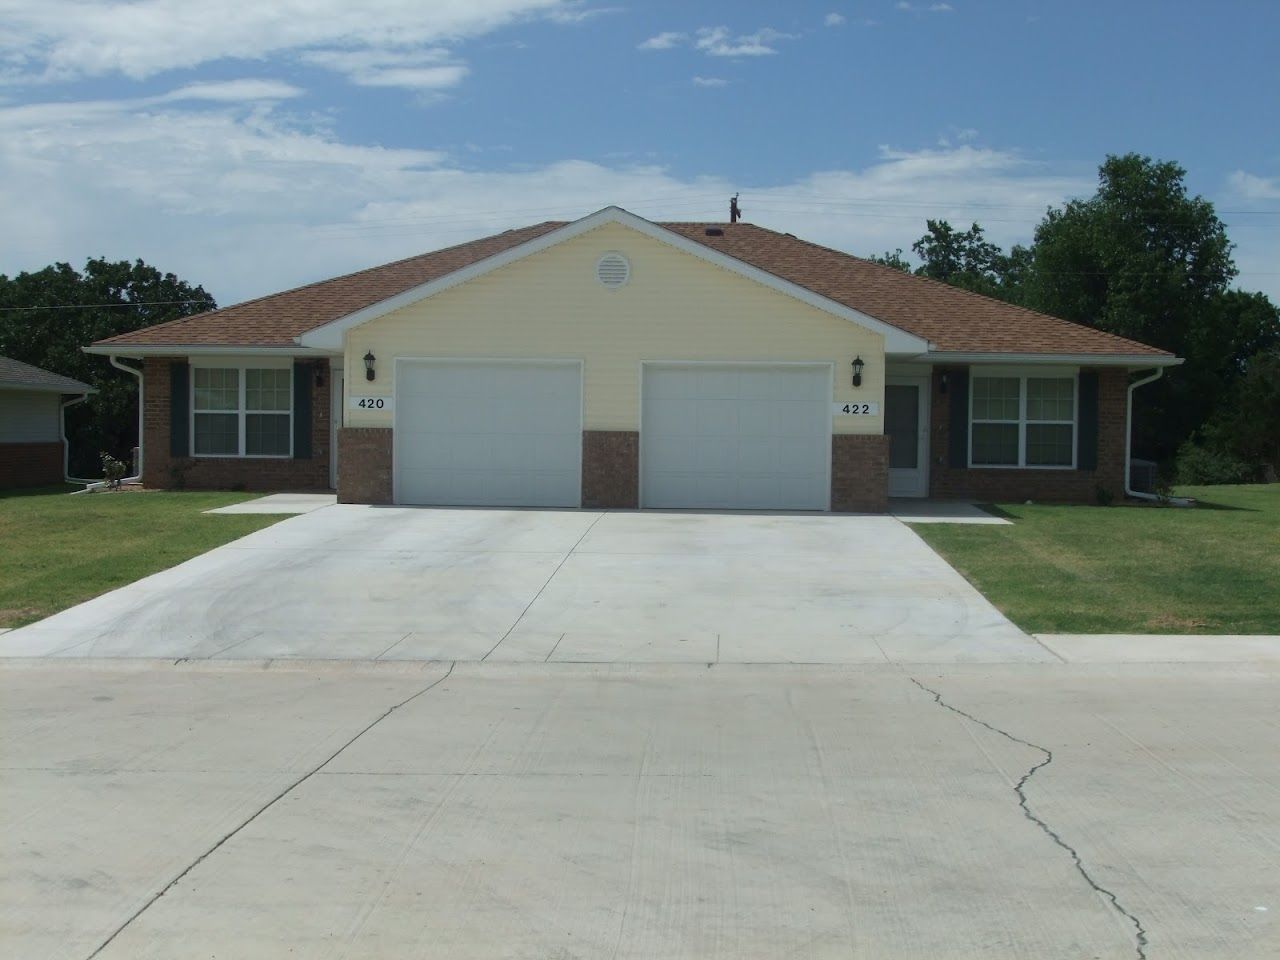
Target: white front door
x=906 y=422
x=488 y=433
x=736 y=436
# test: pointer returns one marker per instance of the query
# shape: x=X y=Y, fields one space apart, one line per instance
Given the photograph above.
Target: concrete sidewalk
x=731 y=812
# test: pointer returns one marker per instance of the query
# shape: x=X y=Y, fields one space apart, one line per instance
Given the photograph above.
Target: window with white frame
x=242 y=411
x=1022 y=420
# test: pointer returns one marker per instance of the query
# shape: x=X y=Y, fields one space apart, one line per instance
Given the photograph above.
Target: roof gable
x=329 y=336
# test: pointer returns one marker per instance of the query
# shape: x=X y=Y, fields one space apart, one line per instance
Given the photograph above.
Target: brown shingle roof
x=951 y=319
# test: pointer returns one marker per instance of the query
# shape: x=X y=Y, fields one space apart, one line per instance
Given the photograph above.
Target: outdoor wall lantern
x=368 y=365
x=319 y=368
x=857 y=371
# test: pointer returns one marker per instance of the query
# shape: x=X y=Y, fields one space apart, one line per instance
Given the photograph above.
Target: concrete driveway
x=678 y=811
x=357 y=582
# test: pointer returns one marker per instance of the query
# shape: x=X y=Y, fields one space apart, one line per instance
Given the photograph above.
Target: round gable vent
x=613 y=269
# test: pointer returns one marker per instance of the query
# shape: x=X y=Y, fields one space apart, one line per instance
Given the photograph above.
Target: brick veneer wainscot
x=364 y=465
x=160 y=469
x=1055 y=486
x=859 y=473
x=610 y=469
x=30 y=464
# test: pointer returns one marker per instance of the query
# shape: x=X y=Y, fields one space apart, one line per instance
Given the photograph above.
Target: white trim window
x=1023 y=420
x=242 y=411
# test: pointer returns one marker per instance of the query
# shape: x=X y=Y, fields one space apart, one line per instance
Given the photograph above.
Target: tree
x=964 y=259
x=48 y=315
x=892 y=258
x=1143 y=259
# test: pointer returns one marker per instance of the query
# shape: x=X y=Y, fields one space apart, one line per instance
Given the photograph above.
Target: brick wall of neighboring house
x=1058 y=486
x=364 y=465
x=610 y=469
x=30 y=464
x=160 y=469
x=859 y=473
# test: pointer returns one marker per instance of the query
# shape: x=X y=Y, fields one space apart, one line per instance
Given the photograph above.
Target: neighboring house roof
x=953 y=321
x=16 y=375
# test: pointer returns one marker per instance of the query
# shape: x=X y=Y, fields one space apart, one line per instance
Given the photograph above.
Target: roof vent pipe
x=735 y=213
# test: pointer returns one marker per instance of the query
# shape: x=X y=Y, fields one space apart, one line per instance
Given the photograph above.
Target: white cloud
x=429 y=69
x=833 y=19
x=664 y=41
x=710 y=82
x=719 y=42
x=1248 y=186
x=49 y=40
x=941 y=8
x=234 y=91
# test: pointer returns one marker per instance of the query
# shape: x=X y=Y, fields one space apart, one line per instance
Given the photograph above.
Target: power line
x=85 y=306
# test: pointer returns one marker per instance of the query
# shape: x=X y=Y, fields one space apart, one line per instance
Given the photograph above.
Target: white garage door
x=488 y=433
x=734 y=436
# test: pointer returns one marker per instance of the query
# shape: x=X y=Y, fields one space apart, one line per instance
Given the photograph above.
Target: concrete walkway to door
x=399 y=583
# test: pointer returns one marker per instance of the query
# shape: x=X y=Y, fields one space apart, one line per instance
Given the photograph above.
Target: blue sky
x=254 y=147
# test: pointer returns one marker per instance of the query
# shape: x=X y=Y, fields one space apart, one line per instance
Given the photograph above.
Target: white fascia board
x=1133 y=361
x=125 y=350
x=329 y=336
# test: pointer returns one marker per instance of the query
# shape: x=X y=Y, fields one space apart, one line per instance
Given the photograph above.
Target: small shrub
x=1198 y=464
x=113 y=470
x=1103 y=496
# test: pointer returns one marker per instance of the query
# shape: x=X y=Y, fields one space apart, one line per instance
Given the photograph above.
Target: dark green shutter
x=958 y=442
x=302 y=373
x=179 y=409
x=1087 y=429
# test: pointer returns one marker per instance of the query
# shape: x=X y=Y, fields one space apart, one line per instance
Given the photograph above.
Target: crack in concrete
x=263 y=809
x=1140 y=931
x=529 y=605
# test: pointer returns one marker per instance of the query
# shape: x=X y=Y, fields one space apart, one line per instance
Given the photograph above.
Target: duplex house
x=615 y=362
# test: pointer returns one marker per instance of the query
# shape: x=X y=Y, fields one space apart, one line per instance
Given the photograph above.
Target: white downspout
x=101 y=484
x=66 y=444
x=1128 y=444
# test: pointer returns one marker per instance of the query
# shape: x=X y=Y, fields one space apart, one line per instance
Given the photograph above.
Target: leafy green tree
x=964 y=259
x=1143 y=259
x=46 y=316
x=892 y=258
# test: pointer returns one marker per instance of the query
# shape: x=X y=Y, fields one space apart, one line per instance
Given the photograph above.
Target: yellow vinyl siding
x=674 y=307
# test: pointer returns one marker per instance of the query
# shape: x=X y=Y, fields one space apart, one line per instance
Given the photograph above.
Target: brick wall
x=162 y=470
x=610 y=469
x=859 y=473
x=30 y=465
x=1055 y=486
x=364 y=465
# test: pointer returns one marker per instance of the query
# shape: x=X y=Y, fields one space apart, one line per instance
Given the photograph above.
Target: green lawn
x=1129 y=569
x=58 y=550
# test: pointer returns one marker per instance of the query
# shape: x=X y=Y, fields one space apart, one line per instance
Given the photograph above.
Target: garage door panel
x=760 y=438
x=716 y=454
x=715 y=417
x=488 y=433
x=715 y=383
